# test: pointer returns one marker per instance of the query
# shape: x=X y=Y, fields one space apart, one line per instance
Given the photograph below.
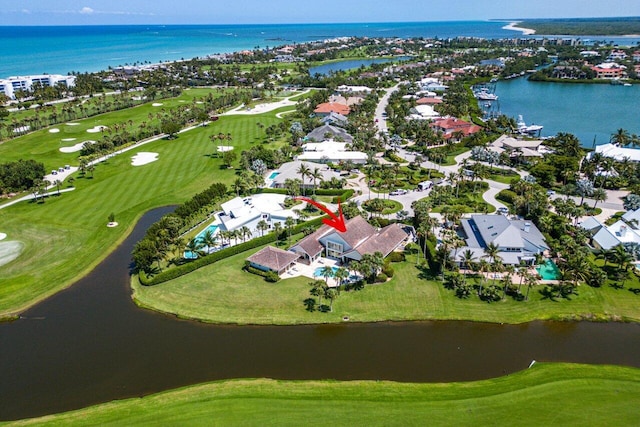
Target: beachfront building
x=518 y=240
x=249 y=211
x=331 y=152
x=273 y=259
x=618 y=153
x=328 y=132
x=11 y=85
x=359 y=239
x=278 y=178
x=609 y=70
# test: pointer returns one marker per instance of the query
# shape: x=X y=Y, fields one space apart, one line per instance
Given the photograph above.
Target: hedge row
x=269 y=276
x=183 y=269
x=346 y=195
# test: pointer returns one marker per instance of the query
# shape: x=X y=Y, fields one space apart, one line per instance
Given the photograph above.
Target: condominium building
x=11 y=85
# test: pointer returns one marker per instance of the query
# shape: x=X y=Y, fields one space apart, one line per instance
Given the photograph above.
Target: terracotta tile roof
x=429 y=101
x=332 y=107
x=273 y=258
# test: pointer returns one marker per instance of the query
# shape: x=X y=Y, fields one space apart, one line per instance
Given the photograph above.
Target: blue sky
x=88 y=12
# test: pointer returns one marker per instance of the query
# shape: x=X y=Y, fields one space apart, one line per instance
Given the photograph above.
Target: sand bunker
x=72 y=124
x=96 y=129
x=157 y=104
x=54 y=130
x=143 y=158
x=224 y=148
x=76 y=147
x=3 y=236
x=199 y=102
x=10 y=251
x=68 y=139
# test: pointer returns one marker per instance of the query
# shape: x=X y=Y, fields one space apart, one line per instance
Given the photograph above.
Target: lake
x=589 y=111
x=351 y=64
x=90 y=344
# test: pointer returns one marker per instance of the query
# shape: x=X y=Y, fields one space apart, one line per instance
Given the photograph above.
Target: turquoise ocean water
x=61 y=49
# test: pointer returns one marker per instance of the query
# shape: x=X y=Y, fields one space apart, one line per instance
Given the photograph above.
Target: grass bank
x=224 y=293
x=546 y=394
x=66 y=236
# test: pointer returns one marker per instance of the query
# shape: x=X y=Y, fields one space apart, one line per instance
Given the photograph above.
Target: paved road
x=381 y=120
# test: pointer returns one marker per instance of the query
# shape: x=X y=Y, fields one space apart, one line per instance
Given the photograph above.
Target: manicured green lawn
x=544 y=395
x=223 y=293
x=66 y=236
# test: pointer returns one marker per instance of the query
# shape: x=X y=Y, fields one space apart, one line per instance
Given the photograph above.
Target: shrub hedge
x=269 y=276
x=181 y=270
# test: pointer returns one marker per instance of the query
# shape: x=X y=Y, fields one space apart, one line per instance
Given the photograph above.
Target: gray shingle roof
x=318 y=134
x=503 y=231
x=273 y=258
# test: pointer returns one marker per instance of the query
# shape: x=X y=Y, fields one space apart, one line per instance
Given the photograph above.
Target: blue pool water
x=213 y=228
x=273 y=175
x=318 y=271
x=549 y=270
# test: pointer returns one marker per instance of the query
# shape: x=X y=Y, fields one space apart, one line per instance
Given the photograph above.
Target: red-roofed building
x=609 y=70
x=429 y=101
x=327 y=108
x=451 y=125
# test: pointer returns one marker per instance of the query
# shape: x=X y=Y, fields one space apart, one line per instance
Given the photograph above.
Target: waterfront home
x=331 y=152
x=518 y=241
x=359 y=239
x=249 y=211
x=618 y=153
x=11 y=85
x=423 y=112
x=517 y=147
x=609 y=70
x=327 y=132
x=352 y=90
x=450 y=126
x=289 y=170
x=326 y=108
x=273 y=259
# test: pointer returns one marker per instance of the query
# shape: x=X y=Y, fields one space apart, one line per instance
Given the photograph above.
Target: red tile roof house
x=327 y=108
x=273 y=259
x=359 y=239
x=450 y=125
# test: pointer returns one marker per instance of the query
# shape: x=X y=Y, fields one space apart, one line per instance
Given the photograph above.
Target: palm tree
x=245 y=232
x=491 y=252
x=621 y=137
x=289 y=223
x=340 y=275
x=304 y=172
x=315 y=174
x=599 y=195
x=262 y=226
x=318 y=289
x=530 y=280
x=195 y=247
x=277 y=228
x=326 y=272
x=208 y=240
x=330 y=294
x=468 y=257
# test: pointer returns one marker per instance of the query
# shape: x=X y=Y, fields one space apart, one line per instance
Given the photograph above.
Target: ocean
x=62 y=49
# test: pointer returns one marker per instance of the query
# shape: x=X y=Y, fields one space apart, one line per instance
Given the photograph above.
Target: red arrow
x=336 y=221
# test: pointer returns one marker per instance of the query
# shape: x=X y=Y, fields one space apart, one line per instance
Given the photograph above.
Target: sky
x=102 y=12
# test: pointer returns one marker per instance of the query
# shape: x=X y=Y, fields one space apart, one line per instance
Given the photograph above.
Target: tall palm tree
x=599 y=195
x=289 y=223
x=195 y=247
x=315 y=174
x=621 y=137
x=208 y=239
x=304 y=172
x=468 y=258
x=245 y=232
x=340 y=275
x=262 y=226
x=326 y=272
x=331 y=294
x=277 y=228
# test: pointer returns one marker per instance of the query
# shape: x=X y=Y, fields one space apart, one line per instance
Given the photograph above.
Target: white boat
x=627 y=84
x=527 y=130
x=483 y=95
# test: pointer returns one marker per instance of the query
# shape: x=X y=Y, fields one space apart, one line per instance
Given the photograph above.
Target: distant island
x=583 y=26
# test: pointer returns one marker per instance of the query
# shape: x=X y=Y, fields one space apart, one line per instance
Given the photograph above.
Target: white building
x=331 y=152
x=618 y=153
x=11 y=85
x=423 y=112
x=249 y=211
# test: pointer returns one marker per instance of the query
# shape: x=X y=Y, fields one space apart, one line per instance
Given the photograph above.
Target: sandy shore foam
x=513 y=26
x=143 y=158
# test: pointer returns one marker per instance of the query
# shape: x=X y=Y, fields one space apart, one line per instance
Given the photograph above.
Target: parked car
x=550 y=192
x=503 y=210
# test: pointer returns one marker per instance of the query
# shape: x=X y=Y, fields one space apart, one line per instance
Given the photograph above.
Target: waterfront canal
x=91 y=344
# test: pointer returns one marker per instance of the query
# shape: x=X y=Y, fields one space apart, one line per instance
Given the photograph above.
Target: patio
x=301 y=269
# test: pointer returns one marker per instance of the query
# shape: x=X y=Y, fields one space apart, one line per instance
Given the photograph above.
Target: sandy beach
x=513 y=26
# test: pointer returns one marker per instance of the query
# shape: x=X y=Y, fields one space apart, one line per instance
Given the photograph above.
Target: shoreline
x=513 y=26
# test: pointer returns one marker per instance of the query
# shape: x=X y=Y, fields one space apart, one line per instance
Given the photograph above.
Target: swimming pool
x=212 y=227
x=318 y=271
x=549 y=270
x=274 y=174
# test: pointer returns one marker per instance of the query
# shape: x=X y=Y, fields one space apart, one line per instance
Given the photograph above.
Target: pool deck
x=301 y=269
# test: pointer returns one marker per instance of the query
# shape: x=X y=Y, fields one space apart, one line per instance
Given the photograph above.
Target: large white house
x=331 y=152
x=249 y=211
x=11 y=85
